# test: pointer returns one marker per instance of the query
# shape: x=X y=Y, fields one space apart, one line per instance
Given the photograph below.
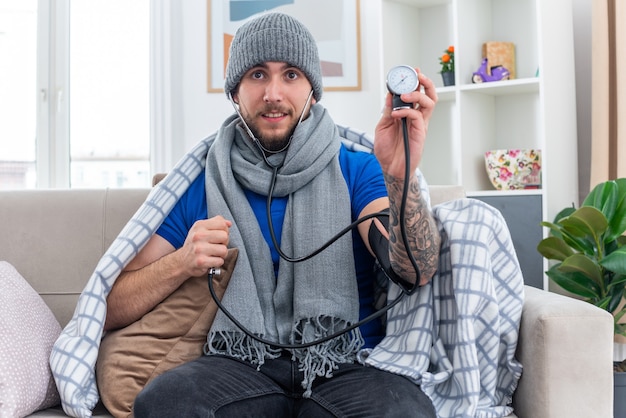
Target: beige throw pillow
x=173 y=333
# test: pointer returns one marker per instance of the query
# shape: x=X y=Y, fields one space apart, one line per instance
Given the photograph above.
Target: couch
x=54 y=239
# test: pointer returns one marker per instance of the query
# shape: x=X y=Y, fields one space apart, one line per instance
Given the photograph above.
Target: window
x=74 y=93
x=109 y=93
x=18 y=115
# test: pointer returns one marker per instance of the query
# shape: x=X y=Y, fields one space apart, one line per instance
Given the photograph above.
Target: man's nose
x=273 y=91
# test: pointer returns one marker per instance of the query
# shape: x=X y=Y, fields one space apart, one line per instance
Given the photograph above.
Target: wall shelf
x=536 y=110
x=503 y=88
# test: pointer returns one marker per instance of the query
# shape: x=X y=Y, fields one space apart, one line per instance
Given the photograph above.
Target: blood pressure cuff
x=380 y=246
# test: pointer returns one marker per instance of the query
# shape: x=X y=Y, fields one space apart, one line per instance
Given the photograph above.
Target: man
x=282 y=144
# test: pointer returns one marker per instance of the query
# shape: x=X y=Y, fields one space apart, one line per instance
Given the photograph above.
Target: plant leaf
x=610 y=198
x=618 y=282
x=586 y=221
x=555 y=229
x=617 y=222
x=603 y=197
x=603 y=303
x=574 y=282
x=616 y=299
x=584 y=244
x=616 y=261
x=564 y=213
x=585 y=265
x=583 y=229
x=554 y=248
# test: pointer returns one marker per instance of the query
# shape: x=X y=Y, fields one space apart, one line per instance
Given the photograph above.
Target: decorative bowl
x=514 y=169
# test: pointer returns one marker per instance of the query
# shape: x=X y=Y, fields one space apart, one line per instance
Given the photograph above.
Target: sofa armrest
x=566 y=349
x=440 y=194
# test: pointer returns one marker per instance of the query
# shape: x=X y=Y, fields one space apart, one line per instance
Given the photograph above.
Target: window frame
x=53 y=160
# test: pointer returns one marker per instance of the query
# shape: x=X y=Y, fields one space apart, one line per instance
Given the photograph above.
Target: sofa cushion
x=173 y=333
x=28 y=329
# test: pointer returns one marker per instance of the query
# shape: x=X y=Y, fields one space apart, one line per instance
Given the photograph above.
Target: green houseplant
x=589 y=248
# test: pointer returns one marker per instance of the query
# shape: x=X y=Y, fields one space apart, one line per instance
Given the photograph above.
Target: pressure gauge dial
x=401 y=79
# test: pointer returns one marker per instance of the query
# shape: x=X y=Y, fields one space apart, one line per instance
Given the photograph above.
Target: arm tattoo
x=422 y=233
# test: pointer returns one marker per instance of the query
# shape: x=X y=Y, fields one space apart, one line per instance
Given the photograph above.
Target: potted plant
x=447 y=66
x=589 y=248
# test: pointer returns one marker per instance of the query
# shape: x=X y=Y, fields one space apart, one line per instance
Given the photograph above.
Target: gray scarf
x=309 y=299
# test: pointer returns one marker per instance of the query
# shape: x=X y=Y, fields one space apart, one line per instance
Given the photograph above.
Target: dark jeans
x=215 y=386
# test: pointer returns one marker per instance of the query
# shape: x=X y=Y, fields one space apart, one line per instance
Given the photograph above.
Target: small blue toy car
x=498 y=72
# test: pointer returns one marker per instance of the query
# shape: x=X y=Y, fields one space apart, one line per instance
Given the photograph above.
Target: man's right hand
x=205 y=247
x=159 y=269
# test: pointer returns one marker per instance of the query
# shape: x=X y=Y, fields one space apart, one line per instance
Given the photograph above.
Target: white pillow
x=28 y=329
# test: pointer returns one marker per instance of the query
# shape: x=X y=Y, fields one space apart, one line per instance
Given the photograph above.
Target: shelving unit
x=535 y=110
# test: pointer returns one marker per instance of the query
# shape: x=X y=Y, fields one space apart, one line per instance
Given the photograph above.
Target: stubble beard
x=272 y=141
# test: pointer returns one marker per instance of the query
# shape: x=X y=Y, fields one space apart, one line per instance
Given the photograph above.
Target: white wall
x=198 y=113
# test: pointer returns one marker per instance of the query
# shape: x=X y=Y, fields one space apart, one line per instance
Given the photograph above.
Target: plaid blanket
x=456 y=336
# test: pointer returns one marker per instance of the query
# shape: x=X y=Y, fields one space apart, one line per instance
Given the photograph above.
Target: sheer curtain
x=608 y=151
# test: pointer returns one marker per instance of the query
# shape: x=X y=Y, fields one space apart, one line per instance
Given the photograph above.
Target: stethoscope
x=275 y=168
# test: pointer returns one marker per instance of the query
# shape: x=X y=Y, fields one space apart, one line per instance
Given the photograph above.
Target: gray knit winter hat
x=273 y=37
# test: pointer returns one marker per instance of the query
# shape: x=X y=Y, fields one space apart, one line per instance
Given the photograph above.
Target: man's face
x=271 y=98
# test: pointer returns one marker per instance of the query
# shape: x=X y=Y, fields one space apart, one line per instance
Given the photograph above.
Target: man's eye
x=292 y=75
x=257 y=75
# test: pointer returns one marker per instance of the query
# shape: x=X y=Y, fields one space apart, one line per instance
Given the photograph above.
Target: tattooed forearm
x=422 y=233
